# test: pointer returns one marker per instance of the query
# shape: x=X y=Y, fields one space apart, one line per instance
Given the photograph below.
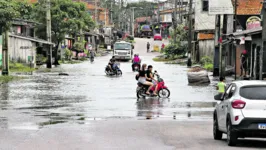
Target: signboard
x=253 y=22
x=220 y=7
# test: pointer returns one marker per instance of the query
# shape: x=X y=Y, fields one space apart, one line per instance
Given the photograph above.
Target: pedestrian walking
x=221 y=87
x=244 y=64
x=148 y=47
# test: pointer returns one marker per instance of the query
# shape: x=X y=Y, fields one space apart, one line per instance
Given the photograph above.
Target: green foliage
x=68 y=54
x=172 y=50
x=41 y=58
x=6 y=79
x=179 y=47
x=18 y=67
x=209 y=67
x=78 y=46
x=25 y=10
x=206 y=60
x=8 y=12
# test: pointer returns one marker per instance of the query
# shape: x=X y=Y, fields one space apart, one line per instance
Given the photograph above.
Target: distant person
x=244 y=64
x=221 y=87
x=163 y=46
x=148 y=47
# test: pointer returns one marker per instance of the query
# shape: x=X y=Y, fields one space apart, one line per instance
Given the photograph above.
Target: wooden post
x=189 y=62
x=263 y=39
x=49 y=34
x=5 y=56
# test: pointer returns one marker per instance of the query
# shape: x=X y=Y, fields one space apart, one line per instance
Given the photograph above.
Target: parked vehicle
x=163 y=91
x=241 y=112
x=157 y=37
x=116 y=71
x=123 y=50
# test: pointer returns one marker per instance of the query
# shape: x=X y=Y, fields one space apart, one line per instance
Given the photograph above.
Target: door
x=222 y=111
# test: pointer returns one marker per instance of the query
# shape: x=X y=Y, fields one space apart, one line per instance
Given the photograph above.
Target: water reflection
x=150 y=107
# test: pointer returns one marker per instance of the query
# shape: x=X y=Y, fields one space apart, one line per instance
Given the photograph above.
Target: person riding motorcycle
x=150 y=78
x=111 y=63
x=92 y=54
x=142 y=78
x=136 y=60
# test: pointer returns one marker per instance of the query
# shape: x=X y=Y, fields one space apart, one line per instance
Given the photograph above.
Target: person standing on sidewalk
x=148 y=47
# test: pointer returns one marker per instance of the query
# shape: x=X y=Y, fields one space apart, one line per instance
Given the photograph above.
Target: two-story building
x=204 y=28
x=167 y=9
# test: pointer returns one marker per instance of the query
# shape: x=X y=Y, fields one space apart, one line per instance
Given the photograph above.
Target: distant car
x=157 y=37
x=241 y=112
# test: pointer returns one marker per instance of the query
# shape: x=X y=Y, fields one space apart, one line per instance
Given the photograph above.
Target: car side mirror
x=218 y=97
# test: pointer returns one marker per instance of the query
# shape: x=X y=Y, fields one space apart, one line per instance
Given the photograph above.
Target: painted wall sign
x=253 y=22
x=25 y=47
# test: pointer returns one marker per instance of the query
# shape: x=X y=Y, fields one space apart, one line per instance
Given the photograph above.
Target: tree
x=8 y=12
x=67 y=17
x=180 y=46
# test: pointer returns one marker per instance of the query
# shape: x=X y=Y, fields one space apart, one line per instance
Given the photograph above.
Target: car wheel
x=231 y=135
x=217 y=134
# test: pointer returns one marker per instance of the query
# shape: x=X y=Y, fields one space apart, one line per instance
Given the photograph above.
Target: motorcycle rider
x=136 y=60
x=142 y=78
x=150 y=78
x=92 y=54
x=111 y=63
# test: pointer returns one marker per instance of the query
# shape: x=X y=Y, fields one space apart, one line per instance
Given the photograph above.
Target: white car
x=241 y=112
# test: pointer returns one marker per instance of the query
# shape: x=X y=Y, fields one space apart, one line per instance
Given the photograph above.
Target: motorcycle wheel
x=164 y=93
x=119 y=73
x=141 y=93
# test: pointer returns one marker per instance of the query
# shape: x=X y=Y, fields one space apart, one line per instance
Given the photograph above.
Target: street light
x=133 y=17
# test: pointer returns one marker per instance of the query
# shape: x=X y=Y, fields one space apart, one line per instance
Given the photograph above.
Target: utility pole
x=111 y=11
x=49 y=32
x=133 y=20
x=95 y=13
x=5 y=57
x=220 y=46
x=263 y=39
x=175 y=21
x=189 y=62
x=235 y=26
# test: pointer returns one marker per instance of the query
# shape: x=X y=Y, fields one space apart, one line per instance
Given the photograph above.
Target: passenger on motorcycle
x=150 y=78
x=110 y=64
x=142 y=78
x=136 y=60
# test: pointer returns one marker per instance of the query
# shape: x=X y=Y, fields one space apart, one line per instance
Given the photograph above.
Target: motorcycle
x=163 y=91
x=136 y=67
x=116 y=70
x=92 y=59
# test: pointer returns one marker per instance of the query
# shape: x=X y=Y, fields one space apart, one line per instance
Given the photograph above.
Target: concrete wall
x=203 y=21
x=20 y=50
x=206 y=48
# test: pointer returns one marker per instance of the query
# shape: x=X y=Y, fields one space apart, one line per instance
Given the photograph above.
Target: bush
x=209 y=67
x=68 y=54
x=18 y=67
x=172 y=50
x=206 y=60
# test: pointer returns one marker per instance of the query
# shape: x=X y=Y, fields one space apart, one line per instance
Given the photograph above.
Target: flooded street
x=87 y=93
x=89 y=110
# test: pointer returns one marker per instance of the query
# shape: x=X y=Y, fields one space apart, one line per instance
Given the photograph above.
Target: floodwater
x=88 y=94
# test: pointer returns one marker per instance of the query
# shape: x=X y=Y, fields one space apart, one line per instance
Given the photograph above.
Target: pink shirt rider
x=136 y=59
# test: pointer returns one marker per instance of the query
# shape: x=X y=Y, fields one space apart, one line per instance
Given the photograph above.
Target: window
x=205 y=5
x=122 y=46
x=253 y=92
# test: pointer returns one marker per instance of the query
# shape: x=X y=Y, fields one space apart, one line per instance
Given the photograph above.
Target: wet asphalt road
x=89 y=109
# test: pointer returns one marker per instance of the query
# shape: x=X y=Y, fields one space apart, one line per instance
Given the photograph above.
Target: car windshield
x=122 y=46
x=253 y=92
